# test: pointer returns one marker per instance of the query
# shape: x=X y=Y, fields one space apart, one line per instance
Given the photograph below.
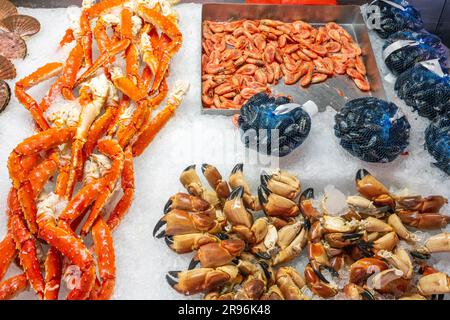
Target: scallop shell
x=5 y=95
x=7 y=9
x=21 y=24
x=7 y=69
x=12 y=46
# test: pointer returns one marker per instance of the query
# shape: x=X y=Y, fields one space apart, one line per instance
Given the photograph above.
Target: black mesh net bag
x=395 y=15
x=437 y=142
x=403 y=50
x=371 y=129
x=424 y=90
x=273 y=125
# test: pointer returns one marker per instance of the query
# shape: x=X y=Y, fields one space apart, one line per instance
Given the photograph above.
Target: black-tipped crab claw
x=275 y=205
x=215 y=180
x=191 y=181
x=235 y=210
x=237 y=179
x=373 y=190
x=202 y=279
x=282 y=183
x=307 y=208
x=186 y=214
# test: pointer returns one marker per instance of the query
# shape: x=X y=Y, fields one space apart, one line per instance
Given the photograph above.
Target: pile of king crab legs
x=104 y=119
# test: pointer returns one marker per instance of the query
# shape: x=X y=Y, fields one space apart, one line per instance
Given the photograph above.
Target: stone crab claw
x=191 y=181
x=430 y=204
x=282 y=183
x=317 y=282
x=307 y=207
x=437 y=243
x=365 y=206
x=203 y=279
x=390 y=281
x=275 y=205
x=425 y=221
x=184 y=201
x=355 y=292
x=372 y=189
x=387 y=242
x=217 y=254
x=235 y=210
x=237 y=179
x=215 y=180
x=183 y=243
x=364 y=268
x=179 y=222
x=290 y=284
x=342 y=240
x=435 y=283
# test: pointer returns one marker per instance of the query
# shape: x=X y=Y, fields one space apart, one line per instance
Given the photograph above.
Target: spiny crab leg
x=13 y=286
x=7 y=253
x=25 y=244
x=112 y=150
x=104 y=251
x=161 y=119
x=113 y=50
x=53 y=272
x=43 y=73
x=127 y=184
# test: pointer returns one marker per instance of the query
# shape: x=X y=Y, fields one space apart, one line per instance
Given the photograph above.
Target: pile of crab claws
x=158 y=226
x=263 y=193
x=238 y=167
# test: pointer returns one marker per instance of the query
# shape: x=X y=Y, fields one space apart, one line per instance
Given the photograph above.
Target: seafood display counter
x=113 y=174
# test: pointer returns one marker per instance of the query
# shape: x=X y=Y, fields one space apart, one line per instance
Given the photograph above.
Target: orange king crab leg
x=112 y=150
x=157 y=19
x=160 y=120
x=25 y=244
x=113 y=50
x=103 y=92
x=127 y=184
x=7 y=253
x=104 y=251
x=13 y=286
x=46 y=72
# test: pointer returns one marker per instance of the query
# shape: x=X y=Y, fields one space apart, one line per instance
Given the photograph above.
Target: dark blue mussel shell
x=372 y=129
x=424 y=91
x=257 y=119
x=393 y=19
x=429 y=47
x=437 y=142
